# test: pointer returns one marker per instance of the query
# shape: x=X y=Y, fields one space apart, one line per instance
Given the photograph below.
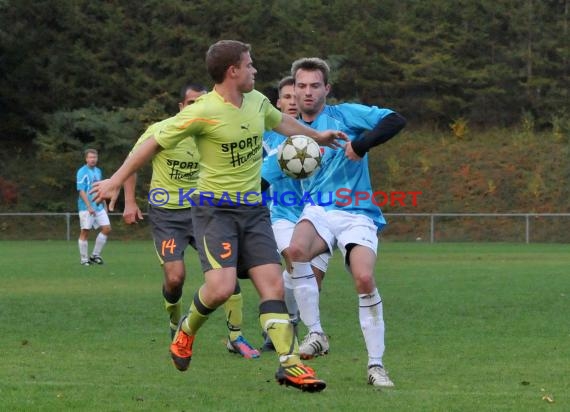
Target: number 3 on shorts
x=228 y=250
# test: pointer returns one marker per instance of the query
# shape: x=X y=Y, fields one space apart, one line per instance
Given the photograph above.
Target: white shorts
x=318 y=217
x=88 y=221
x=283 y=232
x=353 y=228
x=338 y=228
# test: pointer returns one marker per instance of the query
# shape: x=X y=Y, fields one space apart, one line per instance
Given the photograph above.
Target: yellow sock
x=174 y=311
x=274 y=319
x=234 y=315
x=198 y=314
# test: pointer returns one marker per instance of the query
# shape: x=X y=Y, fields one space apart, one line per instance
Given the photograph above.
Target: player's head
x=230 y=60
x=312 y=86
x=311 y=64
x=91 y=157
x=189 y=93
x=286 y=101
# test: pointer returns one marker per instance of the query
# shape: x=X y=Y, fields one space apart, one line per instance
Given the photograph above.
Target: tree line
x=77 y=73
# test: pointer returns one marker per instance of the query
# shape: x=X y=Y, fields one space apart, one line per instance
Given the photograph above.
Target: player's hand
x=331 y=138
x=132 y=214
x=113 y=201
x=350 y=153
x=288 y=263
x=105 y=190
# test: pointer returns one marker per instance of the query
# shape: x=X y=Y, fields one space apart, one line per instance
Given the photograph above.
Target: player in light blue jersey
x=284 y=191
x=283 y=188
x=347 y=218
x=344 y=184
x=284 y=199
x=92 y=215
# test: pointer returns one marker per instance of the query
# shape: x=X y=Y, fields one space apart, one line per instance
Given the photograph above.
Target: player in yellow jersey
x=171 y=221
x=231 y=224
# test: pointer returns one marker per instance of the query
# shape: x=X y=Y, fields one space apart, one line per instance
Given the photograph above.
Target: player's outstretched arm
x=290 y=126
x=109 y=188
x=386 y=128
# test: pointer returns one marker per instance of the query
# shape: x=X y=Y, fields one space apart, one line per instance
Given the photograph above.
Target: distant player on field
x=92 y=215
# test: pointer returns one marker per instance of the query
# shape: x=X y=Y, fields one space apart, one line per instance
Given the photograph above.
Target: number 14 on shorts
x=168 y=245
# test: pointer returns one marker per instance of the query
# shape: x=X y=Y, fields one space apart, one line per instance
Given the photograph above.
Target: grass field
x=470 y=327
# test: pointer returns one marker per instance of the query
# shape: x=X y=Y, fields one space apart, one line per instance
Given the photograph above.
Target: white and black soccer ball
x=299 y=156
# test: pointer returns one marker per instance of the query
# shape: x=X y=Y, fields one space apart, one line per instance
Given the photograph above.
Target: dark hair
x=87 y=151
x=222 y=55
x=311 y=64
x=197 y=87
x=285 y=81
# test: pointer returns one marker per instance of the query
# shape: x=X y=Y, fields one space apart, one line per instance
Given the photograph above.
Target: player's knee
x=175 y=280
x=174 y=273
x=298 y=253
x=221 y=295
x=106 y=230
x=215 y=292
x=364 y=282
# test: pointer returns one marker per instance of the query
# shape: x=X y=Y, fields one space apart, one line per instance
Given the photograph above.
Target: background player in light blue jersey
x=285 y=194
x=91 y=215
x=349 y=221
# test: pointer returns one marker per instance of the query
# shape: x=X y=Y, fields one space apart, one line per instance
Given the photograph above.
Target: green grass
x=470 y=327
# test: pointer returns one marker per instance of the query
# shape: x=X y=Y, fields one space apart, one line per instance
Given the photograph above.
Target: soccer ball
x=299 y=156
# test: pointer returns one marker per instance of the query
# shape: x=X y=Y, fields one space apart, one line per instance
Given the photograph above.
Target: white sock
x=83 y=249
x=290 y=301
x=371 y=317
x=99 y=243
x=306 y=293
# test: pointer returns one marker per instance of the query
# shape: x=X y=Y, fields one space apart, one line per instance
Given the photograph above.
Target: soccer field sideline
x=469 y=327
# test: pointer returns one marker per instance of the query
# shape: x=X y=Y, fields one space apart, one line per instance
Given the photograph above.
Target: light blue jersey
x=86 y=176
x=341 y=183
x=285 y=192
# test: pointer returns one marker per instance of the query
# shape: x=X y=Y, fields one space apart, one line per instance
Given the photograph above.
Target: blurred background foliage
x=484 y=85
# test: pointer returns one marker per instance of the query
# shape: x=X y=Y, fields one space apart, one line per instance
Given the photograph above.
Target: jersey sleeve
x=150 y=131
x=273 y=116
x=358 y=117
x=173 y=130
x=82 y=181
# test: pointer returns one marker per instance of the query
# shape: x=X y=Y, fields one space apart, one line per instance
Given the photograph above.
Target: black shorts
x=172 y=232
x=234 y=236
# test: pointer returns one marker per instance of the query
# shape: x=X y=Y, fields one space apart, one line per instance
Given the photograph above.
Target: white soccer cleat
x=314 y=344
x=377 y=376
